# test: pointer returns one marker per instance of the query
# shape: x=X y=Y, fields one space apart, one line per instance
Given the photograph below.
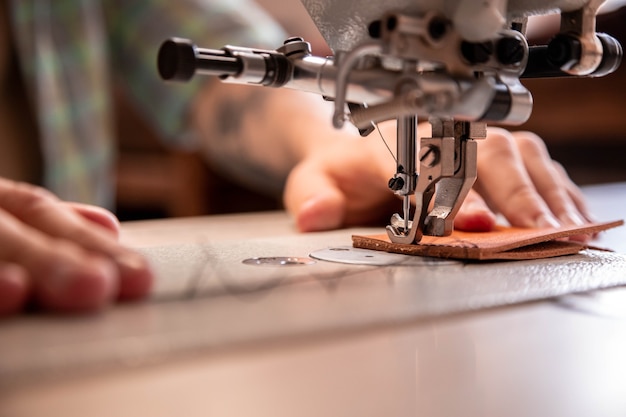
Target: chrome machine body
x=456 y=63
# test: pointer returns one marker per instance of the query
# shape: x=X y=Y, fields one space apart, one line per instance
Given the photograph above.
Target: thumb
x=474 y=215
x=313 y=198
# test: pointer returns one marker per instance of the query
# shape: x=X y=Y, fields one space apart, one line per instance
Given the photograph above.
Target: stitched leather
x=502 y=243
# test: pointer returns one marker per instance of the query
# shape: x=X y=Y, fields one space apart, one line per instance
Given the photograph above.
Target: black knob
x=177 y=59
x=611 y=55
x=564 y=51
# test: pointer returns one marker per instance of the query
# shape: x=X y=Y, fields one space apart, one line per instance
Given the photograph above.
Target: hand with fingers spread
x=62 y=257
x=345 y=184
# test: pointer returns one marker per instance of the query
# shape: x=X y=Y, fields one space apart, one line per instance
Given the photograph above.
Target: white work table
x=221 y=338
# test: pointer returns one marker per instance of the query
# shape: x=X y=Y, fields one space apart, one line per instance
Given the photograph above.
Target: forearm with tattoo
x=257 y=135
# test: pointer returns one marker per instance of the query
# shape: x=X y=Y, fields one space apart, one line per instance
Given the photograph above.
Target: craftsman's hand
x=518 y=178
x=345 y=184
x=60 y=256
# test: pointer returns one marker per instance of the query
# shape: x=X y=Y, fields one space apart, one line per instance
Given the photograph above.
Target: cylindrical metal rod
x=406 y=148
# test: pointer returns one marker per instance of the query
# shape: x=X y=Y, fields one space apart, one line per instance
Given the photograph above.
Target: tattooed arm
x=257 y=135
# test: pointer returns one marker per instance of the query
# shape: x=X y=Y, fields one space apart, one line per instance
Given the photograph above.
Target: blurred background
x=583 y=122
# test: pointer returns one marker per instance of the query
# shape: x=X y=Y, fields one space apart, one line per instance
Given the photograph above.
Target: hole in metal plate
x=279 y=261
x=357 y=256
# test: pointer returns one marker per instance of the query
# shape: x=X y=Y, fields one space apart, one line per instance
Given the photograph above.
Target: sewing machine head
x=457 y=63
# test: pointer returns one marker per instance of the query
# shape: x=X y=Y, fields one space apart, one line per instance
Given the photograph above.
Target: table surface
x=223 y=338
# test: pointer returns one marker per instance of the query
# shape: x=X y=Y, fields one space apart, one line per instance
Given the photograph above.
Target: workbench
x=221 y=337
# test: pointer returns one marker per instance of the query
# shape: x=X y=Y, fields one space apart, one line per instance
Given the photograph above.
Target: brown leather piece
x=505 y=243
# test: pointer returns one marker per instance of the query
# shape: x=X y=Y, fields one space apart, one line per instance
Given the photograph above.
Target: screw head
x=396 y=183
x=429 y=156
x=510 y=51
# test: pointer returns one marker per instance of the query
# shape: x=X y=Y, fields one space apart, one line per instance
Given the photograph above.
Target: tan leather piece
x=506 y=243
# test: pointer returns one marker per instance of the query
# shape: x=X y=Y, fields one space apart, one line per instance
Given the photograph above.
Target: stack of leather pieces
x=503 y=243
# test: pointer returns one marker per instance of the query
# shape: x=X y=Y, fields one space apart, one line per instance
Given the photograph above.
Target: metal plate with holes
x=356 y=256
x=279 y=261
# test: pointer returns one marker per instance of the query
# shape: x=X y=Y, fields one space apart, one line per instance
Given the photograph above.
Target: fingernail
x=572 y=219
x=319 y=213
x=546 y=221
x=59 y=278
x=591 y=218
x=135 y=276
x=580 y=238
x=14 y=288
x=13 y=275
x=131 y=262
x=70 y=286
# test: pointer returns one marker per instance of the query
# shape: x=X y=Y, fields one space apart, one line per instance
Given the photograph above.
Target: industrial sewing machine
x=457 y=63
